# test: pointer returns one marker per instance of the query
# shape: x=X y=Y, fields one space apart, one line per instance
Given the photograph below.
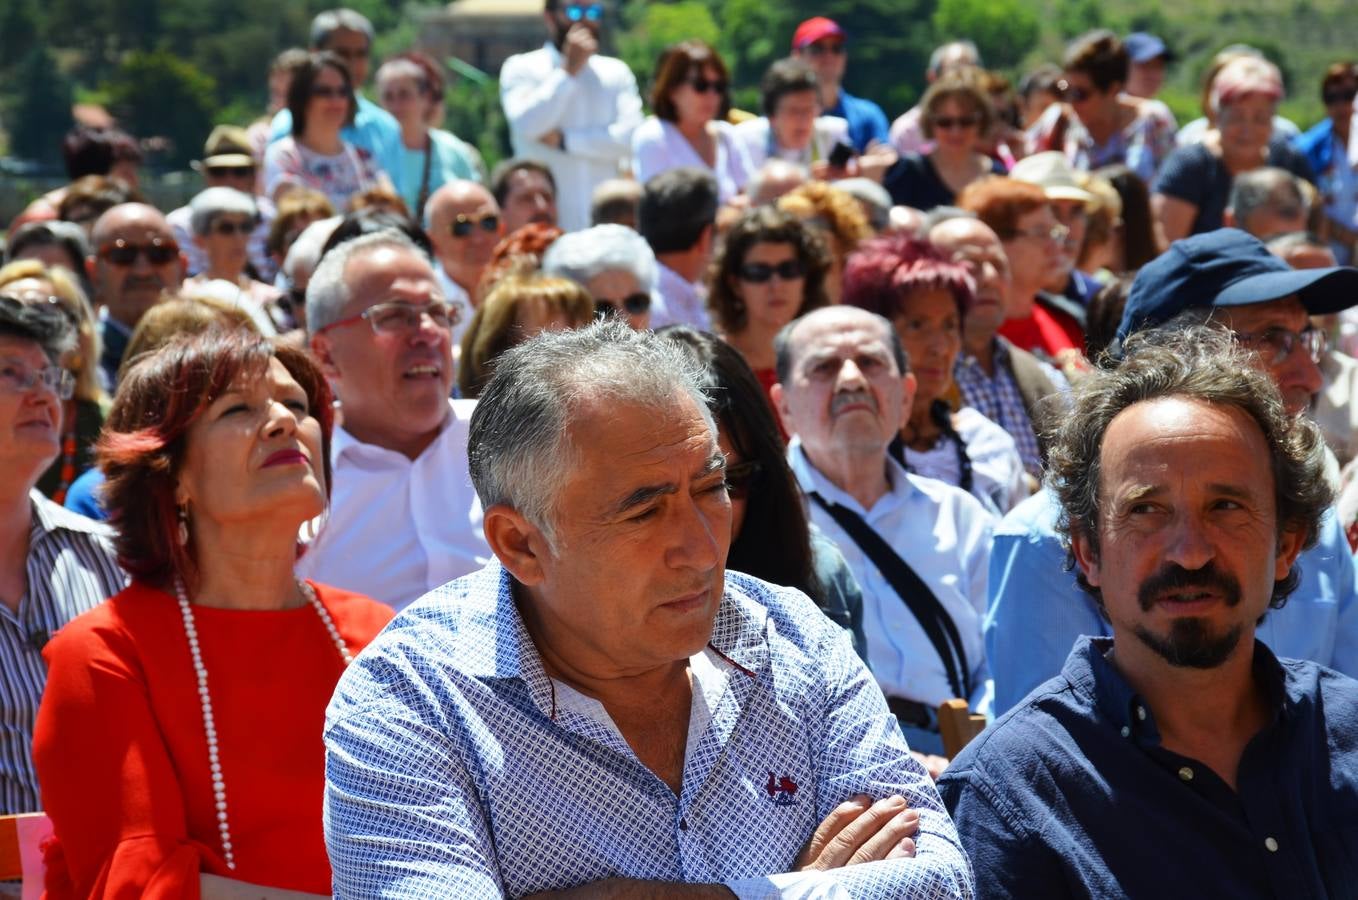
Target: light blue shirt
x=1037 y=609
x=455 y=767
x=374 y=129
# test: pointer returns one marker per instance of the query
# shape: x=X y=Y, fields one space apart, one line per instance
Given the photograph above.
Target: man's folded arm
x=533 y=104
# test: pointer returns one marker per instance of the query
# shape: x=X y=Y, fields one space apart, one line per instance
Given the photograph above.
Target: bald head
x=975 y=245
x=464 y=226
x=136 y=260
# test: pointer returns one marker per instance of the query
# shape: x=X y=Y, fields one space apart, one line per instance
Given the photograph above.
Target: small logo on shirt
x=781 y=791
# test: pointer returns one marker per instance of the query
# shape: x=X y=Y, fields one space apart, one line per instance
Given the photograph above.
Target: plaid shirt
x=456 y=768
x=999 y=400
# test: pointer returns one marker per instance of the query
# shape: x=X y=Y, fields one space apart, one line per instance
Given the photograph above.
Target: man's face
x=1189 y=548
x=530 y=198
x=135 y=259
x=643 y=525
x=827 y=57
x=352 y=48
x=1144 y=79
x=242 y=178
x=394 y=387
x=845 y=393
x=30 y=416
x=794 y=120
x=568 y=15
x=973 y=244
x=1338 y=99
x=1261 y=326
x=464 y=228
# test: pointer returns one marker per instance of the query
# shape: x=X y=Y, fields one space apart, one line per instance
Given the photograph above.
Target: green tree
x=18 y=32
x=42 y=113
x=158 y=94
x=1004 y=30
x=655 y=26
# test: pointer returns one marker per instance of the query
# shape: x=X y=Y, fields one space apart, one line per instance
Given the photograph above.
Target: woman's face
x=403 y=98
x=698 y=98
x=621 y=291
x=1035 y=255
x=771 y=282
x=1246 y=125
x=228 y=235
x=931 y=332
x=40 y=290
x=328 y=108
x=254 y=454
x=956 y=126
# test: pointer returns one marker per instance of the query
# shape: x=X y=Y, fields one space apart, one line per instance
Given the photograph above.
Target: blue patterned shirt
x=455 y=768
x=999 y=400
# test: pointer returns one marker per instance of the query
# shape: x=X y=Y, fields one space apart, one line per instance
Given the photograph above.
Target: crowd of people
x=616 y=521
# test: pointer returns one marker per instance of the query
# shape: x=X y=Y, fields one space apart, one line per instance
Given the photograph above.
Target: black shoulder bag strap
x=913 y=591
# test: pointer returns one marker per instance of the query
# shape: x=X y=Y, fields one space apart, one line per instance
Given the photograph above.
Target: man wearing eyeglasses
x=1227 y=277
x=54 y=564
x=570 y=107
x=403 y=517
x=136 y=260
x=465 y=224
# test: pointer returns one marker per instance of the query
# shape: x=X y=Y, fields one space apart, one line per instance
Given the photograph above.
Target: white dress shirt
x=943 y=533
x=680 y=301
x=596 y=110
x=397 y=527
x=996 y=468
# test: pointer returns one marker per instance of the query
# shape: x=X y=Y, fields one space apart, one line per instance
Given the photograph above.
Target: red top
x=1046 y=331
x=122 y=757
x=767 y=379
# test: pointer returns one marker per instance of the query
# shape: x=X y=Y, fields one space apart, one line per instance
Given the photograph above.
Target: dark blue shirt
x=867 y=122
x=1070 y=794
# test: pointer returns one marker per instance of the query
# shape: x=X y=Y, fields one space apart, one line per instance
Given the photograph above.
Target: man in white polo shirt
x=403 y=516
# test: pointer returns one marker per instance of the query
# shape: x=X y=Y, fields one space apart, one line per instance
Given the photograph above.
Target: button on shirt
x=596 y=111
x=399 y=527
x=1037 y=610
x=455 y=768
x=1071 y=794
x=943 y=533
x=71 y=568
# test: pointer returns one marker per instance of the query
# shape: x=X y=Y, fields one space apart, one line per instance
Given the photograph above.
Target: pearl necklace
x=204 y=698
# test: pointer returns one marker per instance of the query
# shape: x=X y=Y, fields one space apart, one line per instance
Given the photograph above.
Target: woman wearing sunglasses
x=955 y=114
x=613 y=263
x=770 y=270
x=222 y=220
x=690 y=100
x=321 y=100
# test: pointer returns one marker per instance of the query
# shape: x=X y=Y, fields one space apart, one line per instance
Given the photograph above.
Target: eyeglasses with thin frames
x=1275 y=345
x=397 y=317
x=1056 y=234
x=17 y=377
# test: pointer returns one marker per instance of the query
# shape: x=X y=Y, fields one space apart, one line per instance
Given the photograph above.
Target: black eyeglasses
x=1274 y=345
x=701 y=84
x=633 y=304
x=758 y=273
x=948 y=123
x=329 y=93
x=465 y=225
x=741 y=477
x=1340 y=95
x=228 y=228
x=834 y=49
x=592 y=12
x=158 y=253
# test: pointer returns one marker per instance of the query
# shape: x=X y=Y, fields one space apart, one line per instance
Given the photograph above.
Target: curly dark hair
x=1195 y=362
x=765 y=225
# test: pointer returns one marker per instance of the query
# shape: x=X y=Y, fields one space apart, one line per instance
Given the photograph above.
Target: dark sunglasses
x=465 y=225
x=836 y=49
x=229 y=229
x=633 y=304
x=741 y=477
x=329 y=93
x=231 y=171
x=157 y=253
x=1070 y=93
x=702 y=85
x=758 y=273
x=1341 y=95
x=948 y=123
x=592 y=12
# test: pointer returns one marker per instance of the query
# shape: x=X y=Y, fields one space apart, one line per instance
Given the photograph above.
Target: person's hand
x=551 y=138
x=874 y=161
x=579 y=46
x=934 y=765
x=860 y=831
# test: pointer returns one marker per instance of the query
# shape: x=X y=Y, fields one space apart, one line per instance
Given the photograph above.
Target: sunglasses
x=158 y=253
x=231 y=171
x=741 y=477
x=227 y=228
x=465 y=225
x=702 y=85
x=948 y=123
x=633 y=304
x=1341 y=95
x=592 y=12
x=836 y=49
x=330 y=93
x=758 y=273
x=1070 y=93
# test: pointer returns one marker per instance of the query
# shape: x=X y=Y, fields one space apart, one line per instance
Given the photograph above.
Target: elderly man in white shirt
x=403 y=517
x=919 y=548
x=571 y=108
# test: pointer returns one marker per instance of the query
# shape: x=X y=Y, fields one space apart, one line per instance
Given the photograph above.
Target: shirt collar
x=811 y=479
x=342 y=441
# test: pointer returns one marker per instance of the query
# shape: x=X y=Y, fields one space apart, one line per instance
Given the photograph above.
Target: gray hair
x=784 y=349
x=305 y=251
x=394 y=69
x=1266 y=188
x=936 y=58
x=332 y=20
x=940 y=214
x=328 y=293
x=219 y=201
x=867 y=191
x=519 y=449
x=1197 y=362
x=583 y=255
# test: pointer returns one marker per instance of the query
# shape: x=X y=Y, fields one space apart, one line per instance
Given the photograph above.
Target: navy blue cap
x=1144 y=47
x=1228 y=267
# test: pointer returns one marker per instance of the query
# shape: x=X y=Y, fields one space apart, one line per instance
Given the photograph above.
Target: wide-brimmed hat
x=227 y=147
x=1053 y=173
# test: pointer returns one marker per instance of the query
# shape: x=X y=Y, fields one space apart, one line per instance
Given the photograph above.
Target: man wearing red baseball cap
x=821 y=43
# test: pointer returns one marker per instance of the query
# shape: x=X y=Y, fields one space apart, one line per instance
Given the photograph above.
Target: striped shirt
x=71 y=568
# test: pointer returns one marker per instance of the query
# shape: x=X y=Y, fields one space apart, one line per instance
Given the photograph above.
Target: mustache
x=849 y=398
x=1174 y=579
